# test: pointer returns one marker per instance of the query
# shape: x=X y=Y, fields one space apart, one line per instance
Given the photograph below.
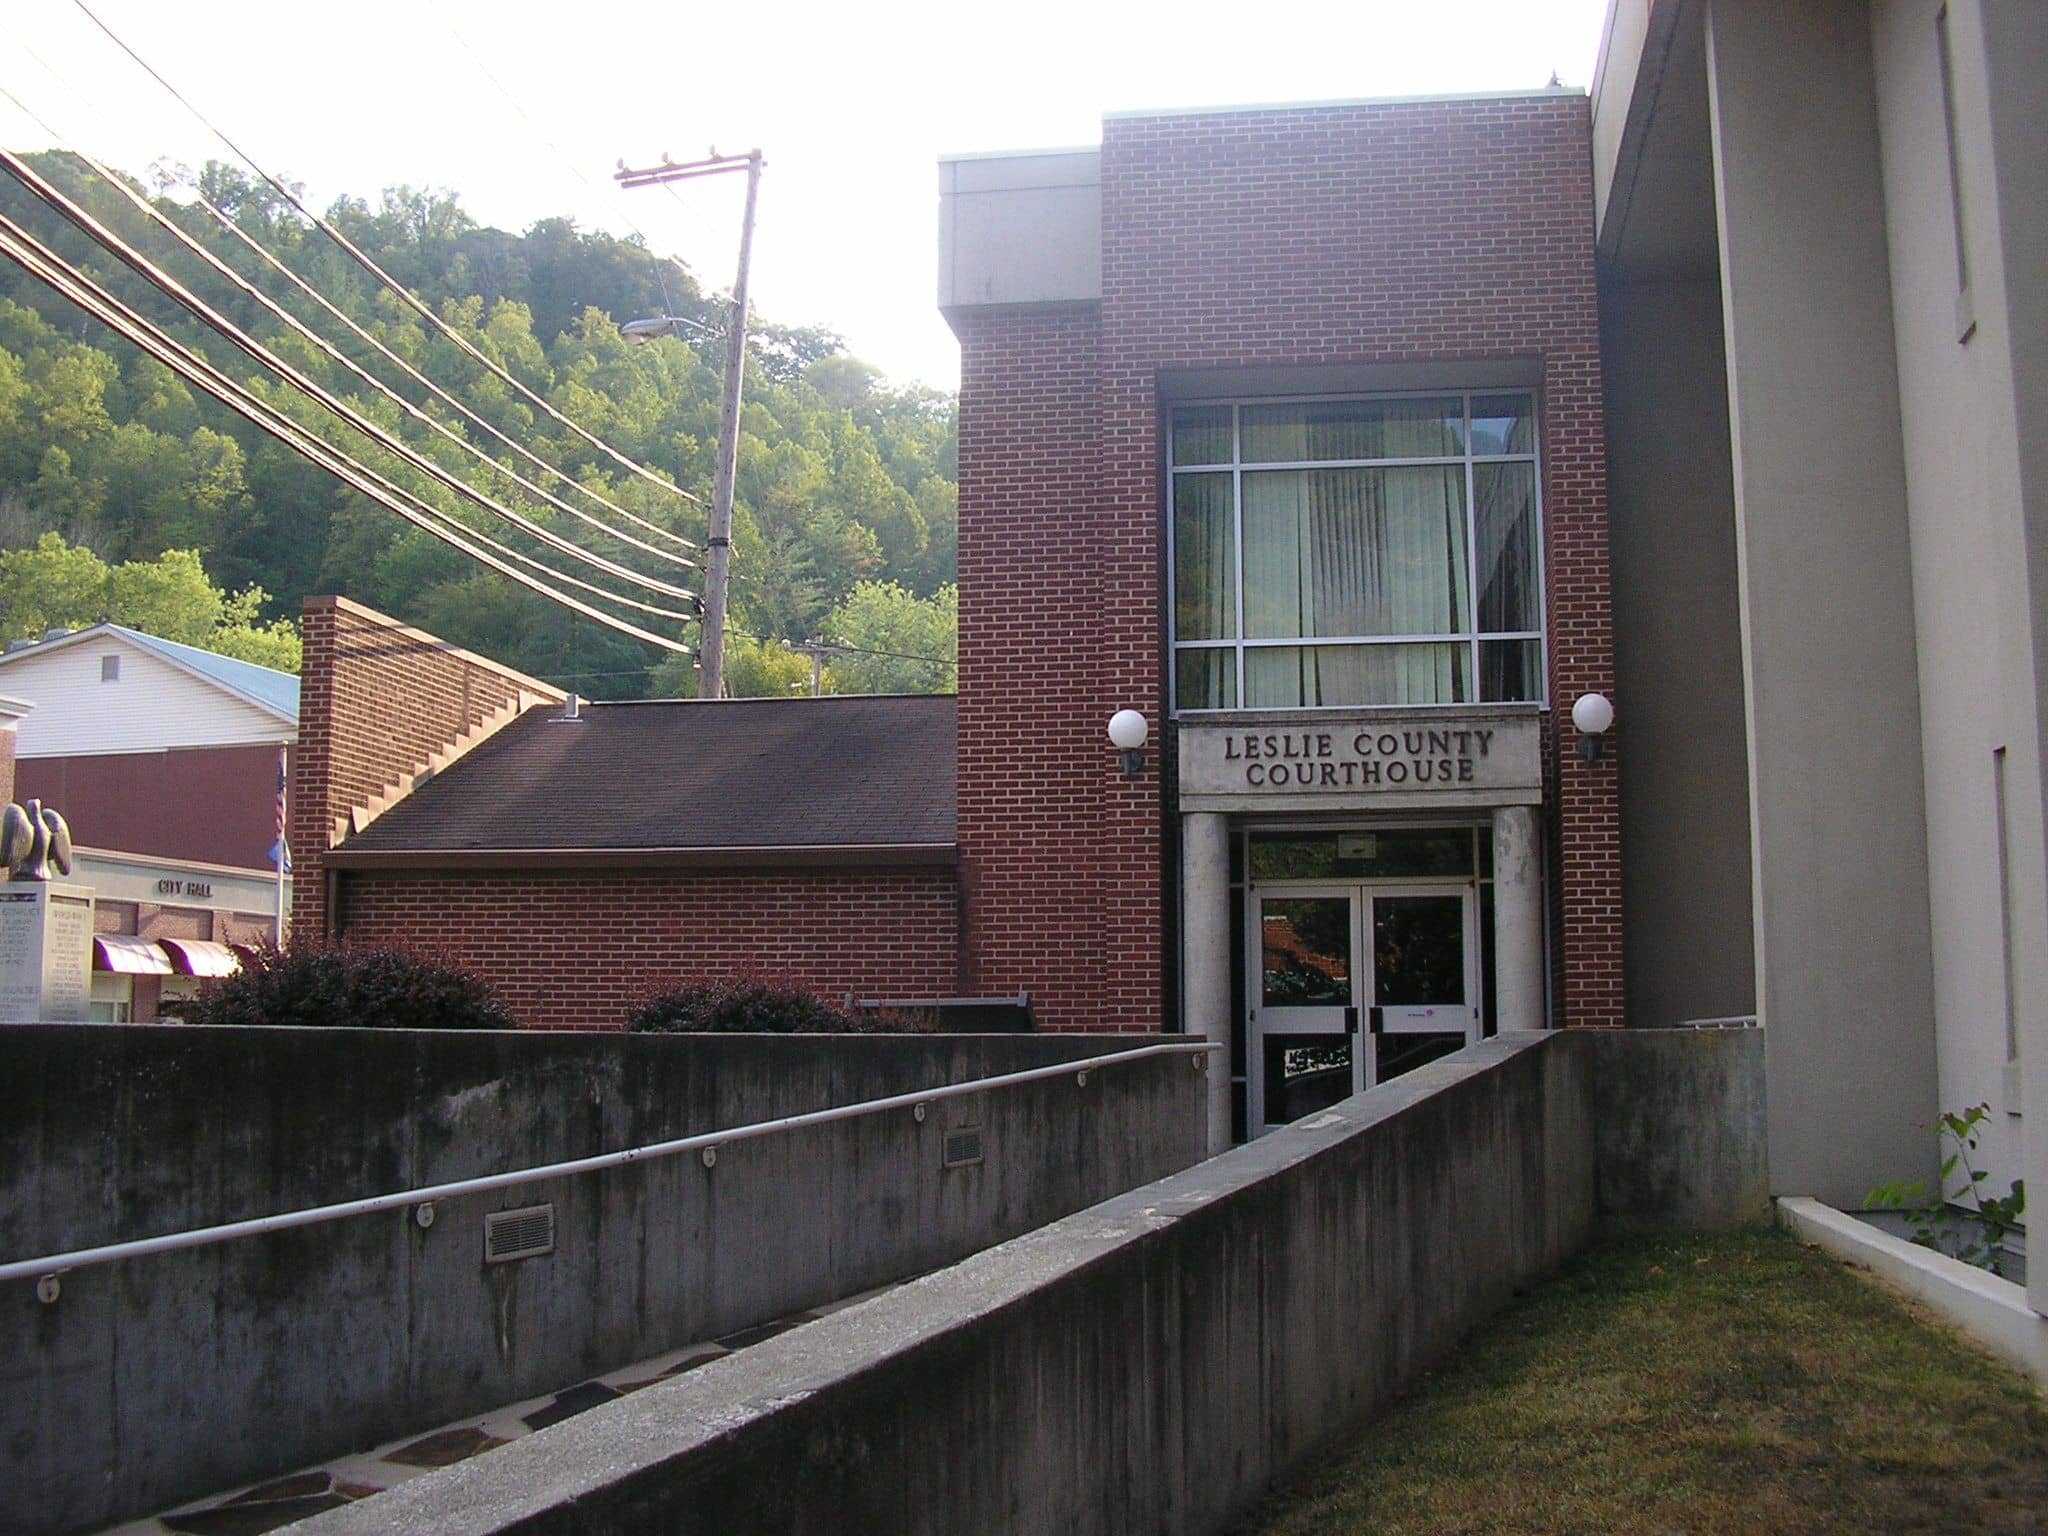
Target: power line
x=857 y=650
x=112 y=179
x=513 y=554
x=41 y=262
x=406 y=295
x=426 y=509
x=562 y=158
x=50 y=195
x=439 y=393
x=419 y=378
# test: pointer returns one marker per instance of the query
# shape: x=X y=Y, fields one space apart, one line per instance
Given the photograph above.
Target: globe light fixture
x=1591 y=716
x=1127 y=733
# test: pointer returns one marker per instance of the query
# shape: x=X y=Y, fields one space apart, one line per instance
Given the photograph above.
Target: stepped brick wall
x=377 y=698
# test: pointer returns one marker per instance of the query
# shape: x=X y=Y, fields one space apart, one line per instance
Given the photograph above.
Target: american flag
x=281 y=850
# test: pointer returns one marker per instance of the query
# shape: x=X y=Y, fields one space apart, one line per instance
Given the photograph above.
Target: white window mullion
x=1172 y=572
x=1472 y=558
x=1542 y=635
x=1237 y=541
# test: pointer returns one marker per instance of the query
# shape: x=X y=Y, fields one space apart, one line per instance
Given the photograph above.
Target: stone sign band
x=1317 y=759
x=1363 y=760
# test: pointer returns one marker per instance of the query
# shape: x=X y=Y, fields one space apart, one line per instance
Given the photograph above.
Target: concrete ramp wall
x=1150 y=1365
x=157 y=1379
x=1147 y=1365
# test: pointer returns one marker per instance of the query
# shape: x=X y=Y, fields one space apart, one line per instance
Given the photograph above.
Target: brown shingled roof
x=836 y=776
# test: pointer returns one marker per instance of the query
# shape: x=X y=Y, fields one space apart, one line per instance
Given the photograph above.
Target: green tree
x=14 y=395
x=52 y=586
x=168 y=597
x=938 y=503
x=844 y=479
x=71 y=394
x=62 y=496
x=844 y=381
x=754 y=669
x=774 y=591
x=243 y=635
x=56 y=585
x=905 y=644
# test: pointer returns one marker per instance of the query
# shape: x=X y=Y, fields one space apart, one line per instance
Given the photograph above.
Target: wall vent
x=522 y=1234
x=963 y=1146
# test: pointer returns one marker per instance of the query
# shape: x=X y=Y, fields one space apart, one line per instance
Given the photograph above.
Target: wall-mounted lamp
x=1592 y=715
x=1127 y=733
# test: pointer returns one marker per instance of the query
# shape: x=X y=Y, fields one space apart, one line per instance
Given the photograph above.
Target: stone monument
x=45 y=929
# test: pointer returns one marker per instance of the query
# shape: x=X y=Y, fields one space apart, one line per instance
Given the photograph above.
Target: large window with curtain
x=1342 y=552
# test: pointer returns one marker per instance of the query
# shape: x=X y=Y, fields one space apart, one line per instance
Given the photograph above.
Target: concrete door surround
x=1454 y=760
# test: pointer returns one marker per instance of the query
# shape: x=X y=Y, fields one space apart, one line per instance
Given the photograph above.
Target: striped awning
x=201 y=957
x=126 y=955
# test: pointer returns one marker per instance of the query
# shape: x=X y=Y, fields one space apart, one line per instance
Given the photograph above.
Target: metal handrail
x=47 y=1268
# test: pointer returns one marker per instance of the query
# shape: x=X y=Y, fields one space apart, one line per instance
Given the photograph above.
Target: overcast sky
x=524 y=108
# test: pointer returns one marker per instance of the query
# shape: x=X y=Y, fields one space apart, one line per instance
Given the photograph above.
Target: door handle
x=1376 y=1021
x=1351 y=1020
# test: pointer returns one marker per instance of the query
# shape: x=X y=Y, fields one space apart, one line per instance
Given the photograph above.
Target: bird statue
x=32 y=839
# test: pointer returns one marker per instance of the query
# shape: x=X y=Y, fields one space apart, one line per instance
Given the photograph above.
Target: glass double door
x=1352 y=985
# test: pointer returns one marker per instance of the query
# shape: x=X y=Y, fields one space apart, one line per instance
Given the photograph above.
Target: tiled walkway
x=280 y=1501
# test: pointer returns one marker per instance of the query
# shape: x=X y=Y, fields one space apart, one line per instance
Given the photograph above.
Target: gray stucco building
x=1823 y=238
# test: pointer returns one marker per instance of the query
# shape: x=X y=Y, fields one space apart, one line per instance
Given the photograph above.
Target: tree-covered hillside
x=845 y=517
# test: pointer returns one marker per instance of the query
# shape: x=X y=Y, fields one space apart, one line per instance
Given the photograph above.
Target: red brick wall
x=217 y=805
x=576 y=951
x=1036 y=773
x=376 y=700
x=1338 y=236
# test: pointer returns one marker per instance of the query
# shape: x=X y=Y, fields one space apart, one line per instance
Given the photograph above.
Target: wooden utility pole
x=817 y=650
x=718 y=552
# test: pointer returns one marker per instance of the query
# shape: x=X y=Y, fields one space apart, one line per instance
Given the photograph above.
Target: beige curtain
x=1355 y=552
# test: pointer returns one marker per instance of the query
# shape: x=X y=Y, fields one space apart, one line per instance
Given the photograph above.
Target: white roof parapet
x=1020 y=229
x=1527 y=93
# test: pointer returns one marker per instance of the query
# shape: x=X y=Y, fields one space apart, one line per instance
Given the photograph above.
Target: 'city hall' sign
x=1327 y=763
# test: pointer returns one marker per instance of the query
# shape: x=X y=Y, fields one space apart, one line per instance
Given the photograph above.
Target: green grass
x=1702 y=1386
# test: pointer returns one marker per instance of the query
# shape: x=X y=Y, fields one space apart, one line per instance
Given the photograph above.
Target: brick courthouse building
x=1281 y=427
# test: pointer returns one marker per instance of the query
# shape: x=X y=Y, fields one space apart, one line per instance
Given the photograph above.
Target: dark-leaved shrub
x=749 y=1005
x=329 y=986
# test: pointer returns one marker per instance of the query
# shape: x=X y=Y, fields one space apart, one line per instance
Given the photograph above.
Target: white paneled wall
x=151 y=705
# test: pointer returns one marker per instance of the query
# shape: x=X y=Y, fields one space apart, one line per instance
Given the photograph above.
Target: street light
x=644 y=331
